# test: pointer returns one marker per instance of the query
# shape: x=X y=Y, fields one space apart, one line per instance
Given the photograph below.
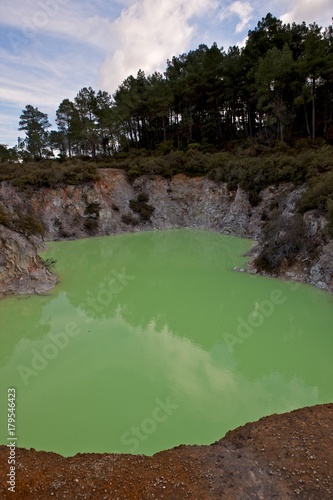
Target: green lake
x=151 y=340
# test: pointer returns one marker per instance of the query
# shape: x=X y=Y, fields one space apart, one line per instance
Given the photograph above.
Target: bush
x=92 y=209
x=141 y=207
x=318 y=194
x=142 y=198
x=4 y=217
x=329 y=207
x=49 y=263
x=253 y=167
x=48 y=173
x=195 y=162
x=130 y=220
x=91 y=225
x=283 y=240
x=28 y=224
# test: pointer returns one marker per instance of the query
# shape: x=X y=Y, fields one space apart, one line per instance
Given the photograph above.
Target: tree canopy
x=278 y=87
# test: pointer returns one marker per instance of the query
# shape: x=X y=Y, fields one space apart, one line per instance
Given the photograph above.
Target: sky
x=51 y=49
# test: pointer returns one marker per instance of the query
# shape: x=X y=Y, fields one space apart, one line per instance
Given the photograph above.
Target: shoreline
x=286 y=455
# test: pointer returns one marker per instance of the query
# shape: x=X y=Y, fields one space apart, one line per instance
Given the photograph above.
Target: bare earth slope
x=280 y=456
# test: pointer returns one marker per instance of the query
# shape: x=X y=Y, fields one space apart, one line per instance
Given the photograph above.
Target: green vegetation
x=284 y=239
x=48 y=173
x=49 y=263
x=130 y=220
x=92 y=213
x=91 y=225
x=92 y=210
x=35 y=124
x=4 y=217
x=319 y=194
x=25 y=223
x=8 y=155
x=249 y=165
x=141 y=207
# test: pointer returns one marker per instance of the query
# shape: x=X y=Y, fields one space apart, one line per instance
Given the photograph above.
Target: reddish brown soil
x=281 y=456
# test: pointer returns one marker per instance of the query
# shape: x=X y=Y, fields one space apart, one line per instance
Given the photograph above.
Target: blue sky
x=50 y=49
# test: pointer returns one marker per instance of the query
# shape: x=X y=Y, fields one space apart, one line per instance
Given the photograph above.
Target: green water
x=151 y=340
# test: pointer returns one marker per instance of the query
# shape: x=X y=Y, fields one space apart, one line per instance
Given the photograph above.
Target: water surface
x=151 y=340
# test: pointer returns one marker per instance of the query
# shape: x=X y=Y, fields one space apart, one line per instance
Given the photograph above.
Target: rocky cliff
x=114 y=205
x=22 y=271
x=69 y=211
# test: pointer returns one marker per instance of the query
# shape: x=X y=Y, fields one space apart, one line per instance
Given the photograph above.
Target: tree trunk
x=190 y=124
x=164 y=130
x=313 y=109
x=249 y=119
x=69 y=148
x=307 y=121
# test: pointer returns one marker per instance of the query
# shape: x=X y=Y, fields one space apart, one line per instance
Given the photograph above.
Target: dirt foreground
x=280 y=456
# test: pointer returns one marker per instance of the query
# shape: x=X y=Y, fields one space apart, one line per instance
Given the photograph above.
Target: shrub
x=195 y=162
x=142 y=198
x=91 y=225
x=283 y=240
x=49 y=263
x=329 y=207
x=28 y=224
x=48 y=173
x=141 y=207
x=254 y=197
x=164 y=147
x=319 y=192
x=4 y=217
x=92 y=209
x=129 y=219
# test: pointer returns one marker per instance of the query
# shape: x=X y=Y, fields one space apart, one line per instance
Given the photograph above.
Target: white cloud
x=72 y=19
x=309 y=11
x=147 y=33
x=243 y=10
x=143 y=36
x=34 y=79
x=41 y=82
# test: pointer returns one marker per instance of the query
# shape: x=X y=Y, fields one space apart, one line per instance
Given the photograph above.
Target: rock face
x=314 y=267
x=178 y=202
x=286 y=456
x=104 y=208
x=21 y=270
